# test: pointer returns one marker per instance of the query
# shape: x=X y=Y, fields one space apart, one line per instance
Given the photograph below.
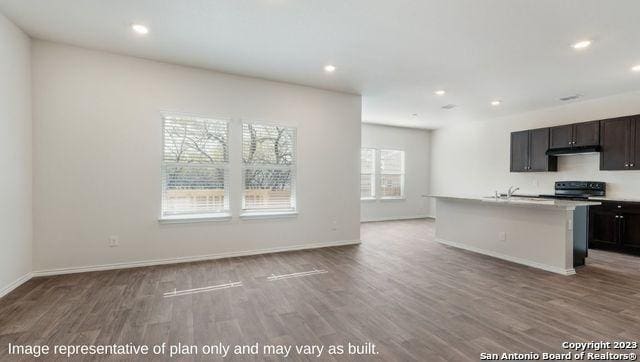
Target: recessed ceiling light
x=636 y=68
x=140 y=29
x=582 y=44
x=329 y=68
x=440 y=92
x=496 y=103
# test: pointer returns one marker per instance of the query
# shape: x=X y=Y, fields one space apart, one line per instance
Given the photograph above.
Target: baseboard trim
x=15 y=284
x=396 y=218
x=188 y=259
x=512 y=259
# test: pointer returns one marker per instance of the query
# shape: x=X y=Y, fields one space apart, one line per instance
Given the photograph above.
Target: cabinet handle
x=631 y=165
x=626 y=165
x=619 y=206
x=617 y=217
x=622 y=217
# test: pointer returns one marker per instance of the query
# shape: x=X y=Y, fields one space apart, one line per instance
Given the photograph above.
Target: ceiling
x=395 y=53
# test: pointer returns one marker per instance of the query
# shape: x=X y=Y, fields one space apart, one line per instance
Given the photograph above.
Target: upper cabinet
x=617 y=140
x=620 y=143
x=575 y=135
x=586 y=134
x=528 y=151
x=561 y=136
x=520 y=151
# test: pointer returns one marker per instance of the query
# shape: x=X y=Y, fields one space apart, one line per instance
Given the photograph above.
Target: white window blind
x=367 y=173
x=194 y=166
x=269 y=159
x=391 y=173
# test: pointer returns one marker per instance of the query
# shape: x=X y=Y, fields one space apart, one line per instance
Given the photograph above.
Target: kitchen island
x=541 y=233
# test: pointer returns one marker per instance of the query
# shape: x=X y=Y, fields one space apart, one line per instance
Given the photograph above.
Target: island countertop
x=523 y=201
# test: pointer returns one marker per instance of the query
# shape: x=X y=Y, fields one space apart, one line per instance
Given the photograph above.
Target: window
x=269 y=159
x=194 y=166
x=367 y=173
x=391 y=174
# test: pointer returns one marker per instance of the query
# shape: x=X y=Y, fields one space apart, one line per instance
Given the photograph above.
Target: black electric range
x=578 y=190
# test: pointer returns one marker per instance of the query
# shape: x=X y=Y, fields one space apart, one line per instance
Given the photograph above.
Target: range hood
x=573 y=150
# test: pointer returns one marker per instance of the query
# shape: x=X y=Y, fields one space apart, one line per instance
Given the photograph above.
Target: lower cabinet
x=631 y=232
x=615 y=226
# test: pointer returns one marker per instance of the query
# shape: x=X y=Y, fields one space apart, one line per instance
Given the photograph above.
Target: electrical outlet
x=502 y=236
x=113 y=241
x=334 y=225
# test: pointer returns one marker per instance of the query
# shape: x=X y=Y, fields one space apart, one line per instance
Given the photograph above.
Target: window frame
x=378 y=175
x=222 y=215
x=234 y=170
x=402 y=174
x=374 y=176
x=246 y=213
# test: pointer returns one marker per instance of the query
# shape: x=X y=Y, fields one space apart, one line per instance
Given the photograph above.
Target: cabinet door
x=634 y=146
x=520 y=151
x=604 y=228
x=561 y=136
x=630 y=231
x=586 y=134
x=538 y=146
x=614 y=141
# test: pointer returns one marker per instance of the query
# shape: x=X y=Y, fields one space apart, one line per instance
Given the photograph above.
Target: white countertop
x=594 y=198
x=522 y=201
x=615 y=199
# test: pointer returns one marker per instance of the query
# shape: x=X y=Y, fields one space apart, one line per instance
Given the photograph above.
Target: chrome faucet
x=512 y=190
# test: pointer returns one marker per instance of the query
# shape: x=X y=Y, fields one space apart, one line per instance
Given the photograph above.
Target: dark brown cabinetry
x=561 y=136
x=528 y=151
x=575 y=135
x=603 y=228
x=617 y=140
x=620 y=143
x=615 y=226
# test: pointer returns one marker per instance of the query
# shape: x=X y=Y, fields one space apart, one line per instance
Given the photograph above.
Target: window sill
x=183 y=219
x=268 y=214
x=399 y=198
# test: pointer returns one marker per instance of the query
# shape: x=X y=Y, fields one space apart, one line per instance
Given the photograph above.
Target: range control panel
x=585 y=188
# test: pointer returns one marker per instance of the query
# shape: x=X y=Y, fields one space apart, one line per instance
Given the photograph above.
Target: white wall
x=97 y=136
x=473 y=158
x=15 y=156
x=416 y=144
